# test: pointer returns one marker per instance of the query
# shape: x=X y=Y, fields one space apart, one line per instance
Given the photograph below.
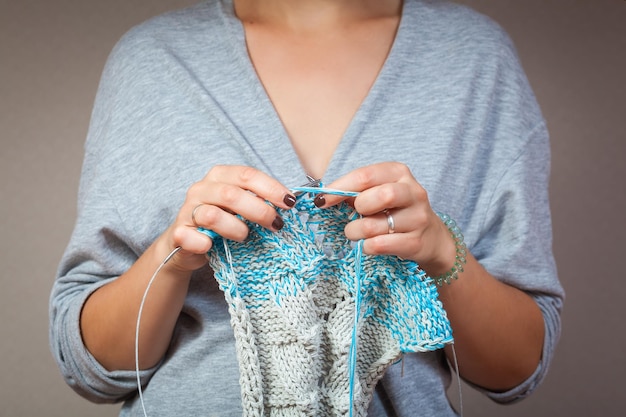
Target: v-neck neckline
x=295 y=174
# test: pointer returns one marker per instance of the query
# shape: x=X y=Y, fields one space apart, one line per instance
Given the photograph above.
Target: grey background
x=51 y=56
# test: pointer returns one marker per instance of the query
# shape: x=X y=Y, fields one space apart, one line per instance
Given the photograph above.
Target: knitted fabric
x=291 y=296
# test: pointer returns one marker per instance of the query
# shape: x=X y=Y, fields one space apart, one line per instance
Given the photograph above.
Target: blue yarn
x=430 y=331
x=357 y=313
x=399 y=296
x=210 y=233
x=321 y=190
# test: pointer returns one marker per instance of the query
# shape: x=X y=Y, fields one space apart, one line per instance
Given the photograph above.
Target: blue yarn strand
x=321 y=190
x=357 y=312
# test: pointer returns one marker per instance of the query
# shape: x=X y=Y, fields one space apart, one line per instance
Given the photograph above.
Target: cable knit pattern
x=292 y=304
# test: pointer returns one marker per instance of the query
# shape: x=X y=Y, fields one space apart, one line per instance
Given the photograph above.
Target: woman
x=205 y=114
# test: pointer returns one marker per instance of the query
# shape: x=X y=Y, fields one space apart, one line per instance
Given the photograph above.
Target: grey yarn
x=292 y=304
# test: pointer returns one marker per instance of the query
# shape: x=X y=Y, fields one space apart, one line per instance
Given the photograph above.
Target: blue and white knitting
x=317 y=322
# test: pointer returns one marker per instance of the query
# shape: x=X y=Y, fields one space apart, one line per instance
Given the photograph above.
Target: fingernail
x=319 y=200
x=278 y=223
x=289 y=200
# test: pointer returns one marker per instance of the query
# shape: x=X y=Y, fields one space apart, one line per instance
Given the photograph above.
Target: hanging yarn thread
x=316 y=321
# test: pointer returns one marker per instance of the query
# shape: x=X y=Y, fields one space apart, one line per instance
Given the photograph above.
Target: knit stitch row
x=302 y=299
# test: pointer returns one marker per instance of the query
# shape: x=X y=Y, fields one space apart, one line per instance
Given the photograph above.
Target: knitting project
x=316 y=322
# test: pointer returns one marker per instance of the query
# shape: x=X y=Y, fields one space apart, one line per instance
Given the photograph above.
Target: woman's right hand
x=214 y=203
x=109 y=316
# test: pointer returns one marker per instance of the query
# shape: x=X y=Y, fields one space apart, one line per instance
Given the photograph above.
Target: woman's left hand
x=498 y=329
x=397 y=218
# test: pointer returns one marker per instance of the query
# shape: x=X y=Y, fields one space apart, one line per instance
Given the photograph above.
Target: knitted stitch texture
x=292 y=304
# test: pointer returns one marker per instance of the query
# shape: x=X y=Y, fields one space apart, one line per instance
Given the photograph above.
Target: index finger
x=361 y=179
x=255 y=181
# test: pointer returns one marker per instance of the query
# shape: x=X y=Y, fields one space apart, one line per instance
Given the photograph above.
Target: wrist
x=452 y=254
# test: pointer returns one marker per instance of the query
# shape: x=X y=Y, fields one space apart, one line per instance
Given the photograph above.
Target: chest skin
x=317 y=79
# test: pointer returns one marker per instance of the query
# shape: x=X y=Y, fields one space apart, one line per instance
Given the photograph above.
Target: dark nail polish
x=319 y=200
x=278 y=223
x=289 y=200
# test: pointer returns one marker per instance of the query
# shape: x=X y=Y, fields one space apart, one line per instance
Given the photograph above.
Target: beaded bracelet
x=461 y=251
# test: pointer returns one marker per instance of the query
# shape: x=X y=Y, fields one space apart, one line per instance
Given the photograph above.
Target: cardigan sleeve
x=516 y=246
x=101 y=247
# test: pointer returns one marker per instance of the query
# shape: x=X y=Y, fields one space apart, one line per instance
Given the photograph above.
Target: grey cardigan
x=179 y=95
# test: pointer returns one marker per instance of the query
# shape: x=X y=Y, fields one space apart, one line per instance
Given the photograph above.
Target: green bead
x=461 y=251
